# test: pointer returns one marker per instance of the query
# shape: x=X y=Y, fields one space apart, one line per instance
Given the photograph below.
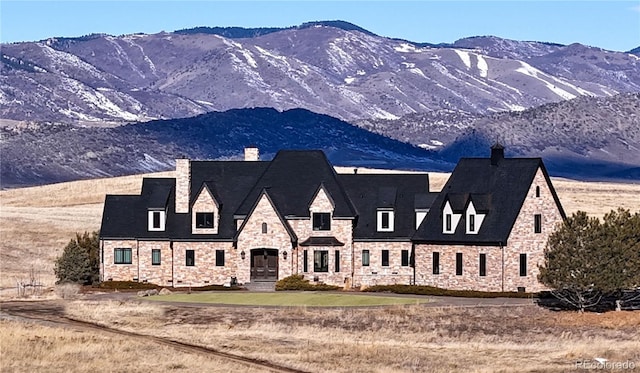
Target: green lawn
x=317 y=299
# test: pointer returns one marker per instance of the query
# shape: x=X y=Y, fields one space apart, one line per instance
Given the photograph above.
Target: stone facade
x=118 y=272
x=205 y=203
x=159 y=274
x=377 y=274
x=204 y=270
x=183 y=185
x=502 y=262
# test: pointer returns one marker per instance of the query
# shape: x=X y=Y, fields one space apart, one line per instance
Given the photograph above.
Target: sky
x=613 y=25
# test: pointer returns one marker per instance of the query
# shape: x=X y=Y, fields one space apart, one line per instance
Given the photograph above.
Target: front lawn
x=289 y=299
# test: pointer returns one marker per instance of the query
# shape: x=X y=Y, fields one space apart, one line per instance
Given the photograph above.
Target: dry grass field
x=392 y=339
x=37 y=222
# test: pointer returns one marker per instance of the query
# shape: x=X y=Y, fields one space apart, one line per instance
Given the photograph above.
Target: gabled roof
x=293 y=178
x=369 y=192
x=498 y=190
x=286 y=225
x=155 y=192
x=210 y=188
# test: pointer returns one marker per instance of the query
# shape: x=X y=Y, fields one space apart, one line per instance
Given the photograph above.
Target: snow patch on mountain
x=531 y=71
x=464 y=56
x=482 y=66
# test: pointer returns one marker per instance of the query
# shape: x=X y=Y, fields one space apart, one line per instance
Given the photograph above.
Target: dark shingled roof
x=292 y=180
x=497 y=190
x=321 y=241
x=398 y=191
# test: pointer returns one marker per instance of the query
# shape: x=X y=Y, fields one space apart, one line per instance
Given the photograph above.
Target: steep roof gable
x=497 y=187
x=292 y=179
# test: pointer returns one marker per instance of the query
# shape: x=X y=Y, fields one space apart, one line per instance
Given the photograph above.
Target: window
x=156 y=220
x=448 y=222
x=405 y=258
x=365 y=258
x=122 y=256
x=305 y=261
x=264 y=228
x=321 y=261
x=537 y=223
x=483 y=264
x=337 y=257
x=385 y=258
x=537 y=191
x=321 y=221
x=385 y=221
x=436 y=263
x=523 y=265
x=219 y=258
x=472 y=223
x=155 y=257
x=458 y=264
x=204 y=219
x=191 y=258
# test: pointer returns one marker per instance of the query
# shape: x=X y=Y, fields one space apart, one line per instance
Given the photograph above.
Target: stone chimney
x=251 y=153
x=183 y=185
x=497 y=153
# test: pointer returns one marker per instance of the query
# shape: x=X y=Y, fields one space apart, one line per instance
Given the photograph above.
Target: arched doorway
x=264 y=264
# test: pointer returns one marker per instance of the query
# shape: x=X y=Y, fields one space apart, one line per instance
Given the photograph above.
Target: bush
x=79 y=262
x=297 y=282
x=431 y=290
x=127 y=285
x=67 y=290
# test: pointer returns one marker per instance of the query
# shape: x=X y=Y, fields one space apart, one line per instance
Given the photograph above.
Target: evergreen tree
x=79 y=261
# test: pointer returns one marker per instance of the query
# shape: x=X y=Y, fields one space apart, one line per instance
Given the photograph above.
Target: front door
x=264 y=264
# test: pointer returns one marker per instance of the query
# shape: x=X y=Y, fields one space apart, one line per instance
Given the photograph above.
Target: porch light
x=284 y=255
x=242 y=254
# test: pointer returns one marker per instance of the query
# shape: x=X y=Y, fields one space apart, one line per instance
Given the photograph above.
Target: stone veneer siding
x=205 y=203
x=251 y=237
x=375 y=273
x=341 y=229
x=156 y=274
x=183 y=185
x=118 y=272
x=204 y=272
x=522 y=240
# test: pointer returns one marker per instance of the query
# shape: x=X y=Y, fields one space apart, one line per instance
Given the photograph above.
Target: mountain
x=588 y=137
x=45 y=153
x=329 y=67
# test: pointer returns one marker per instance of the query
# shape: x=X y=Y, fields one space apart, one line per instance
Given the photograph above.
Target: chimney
x=183 y=185
x=251 y=153
x=497 y=153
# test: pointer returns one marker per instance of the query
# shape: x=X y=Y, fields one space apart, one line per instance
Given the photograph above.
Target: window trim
x=404 y=258
x=123 y=257
x=482 y=265
x=305 y=261
x=205 y=226
x=265 y=228
x=537 y=223
x=323 y=256
x=190 y=254
x=435 y=262
x=381 y=215
x=384 y=258
x=151 y=220
x=337 y=261
x=366 y=254
x=323 y=223
x=523 y=265
x=219 y=258
x=155 y=252
x=459 y=264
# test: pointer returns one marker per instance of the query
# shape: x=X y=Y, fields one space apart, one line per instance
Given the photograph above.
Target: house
x=249 y=221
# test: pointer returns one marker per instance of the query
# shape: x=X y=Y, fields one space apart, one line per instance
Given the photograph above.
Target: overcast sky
x=613 y=25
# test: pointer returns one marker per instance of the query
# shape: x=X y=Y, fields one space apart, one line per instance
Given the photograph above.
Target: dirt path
x=51 y=313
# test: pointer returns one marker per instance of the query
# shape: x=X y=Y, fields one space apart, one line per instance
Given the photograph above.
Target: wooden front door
x=264 y=264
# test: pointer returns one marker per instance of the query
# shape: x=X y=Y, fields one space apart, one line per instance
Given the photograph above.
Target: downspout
x=172 y=263
x=502 y=249
x=138 y=258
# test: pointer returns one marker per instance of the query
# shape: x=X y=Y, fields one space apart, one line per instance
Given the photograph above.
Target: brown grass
x=394 y=339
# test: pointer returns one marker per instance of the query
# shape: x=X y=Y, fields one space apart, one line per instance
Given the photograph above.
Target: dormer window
x=449 y=219
x=321 y=221
x=385 y=220
x=474 y=220
x=204 y=219
x=156 y=220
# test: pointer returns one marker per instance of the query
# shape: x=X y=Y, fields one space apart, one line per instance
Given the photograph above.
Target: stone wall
x=153 y=273
x=204 y=272
x=375 y=273
x=183 y=185
x=205 y=203
x=109 y=271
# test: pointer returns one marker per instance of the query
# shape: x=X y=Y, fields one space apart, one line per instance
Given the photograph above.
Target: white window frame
x=163 y=220
x=379 y=226
x=455 y=219
x=420 y=215
x=477 y=219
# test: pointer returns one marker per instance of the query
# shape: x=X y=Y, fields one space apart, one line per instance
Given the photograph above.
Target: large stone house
x=248 y=221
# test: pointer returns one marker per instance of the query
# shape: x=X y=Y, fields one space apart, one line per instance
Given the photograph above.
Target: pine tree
x=79 y=261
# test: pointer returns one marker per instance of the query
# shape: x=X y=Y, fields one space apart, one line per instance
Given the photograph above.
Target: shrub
x=431 y=290
x=297 y=282
x=67 y=290
x=79 y=261
x=127 y=285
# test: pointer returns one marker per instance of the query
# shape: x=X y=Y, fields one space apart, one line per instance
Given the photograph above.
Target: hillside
x=333 y=67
